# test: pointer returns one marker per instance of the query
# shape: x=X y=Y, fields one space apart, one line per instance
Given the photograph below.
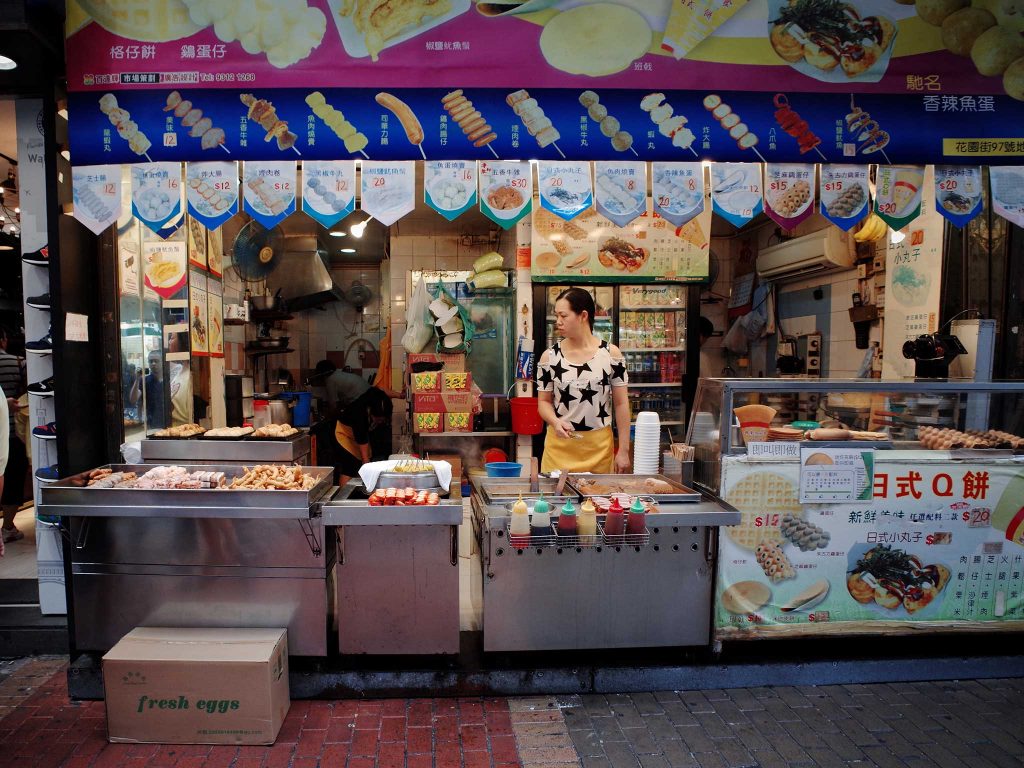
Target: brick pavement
x=957 y=724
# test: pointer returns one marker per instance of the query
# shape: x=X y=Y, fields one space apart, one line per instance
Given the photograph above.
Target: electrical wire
x=949 y=322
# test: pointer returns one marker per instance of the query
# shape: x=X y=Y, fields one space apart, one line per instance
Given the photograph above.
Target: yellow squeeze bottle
x=586 y=520
x=519 y=527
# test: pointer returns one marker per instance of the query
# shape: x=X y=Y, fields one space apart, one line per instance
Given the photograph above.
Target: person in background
x=370 y=411
x=582 y=381
x=153 y=384
x=4 y=427
x=705 y=330
x=342 y=387
x=12 y=382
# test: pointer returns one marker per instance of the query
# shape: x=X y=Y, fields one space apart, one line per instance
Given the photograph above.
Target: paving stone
x=771 y=759
x=803 y=734
x=587 y=743
x=735 y=753
x=856 y=732
x=881 y=756
x=716 y=694
x=751 y=737
x=661 y=727
x=695 y=702
x=814 y=719
x=826 y=758
x=714 y=725
x=646 y=704
x=695 y=738
x=997 y=755
x=677 y=712
x=667 y=696
x=608 y=728
x=641 y=741
x=779 y=711
x=941 y=756
x=653 y=761
x=788 y=747
x=729 y=712
x=711 y=760
x=595 y=762
x=596 y=704
x=745 y=699
x=678 y=754
x=620 y=755
x=898 y=745
x=869 y=719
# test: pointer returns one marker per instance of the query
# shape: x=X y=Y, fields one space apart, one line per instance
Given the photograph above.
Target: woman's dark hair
x=579 y=301
x=378 y=403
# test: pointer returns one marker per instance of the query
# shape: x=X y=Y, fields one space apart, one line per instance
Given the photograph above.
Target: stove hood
x=302 y=274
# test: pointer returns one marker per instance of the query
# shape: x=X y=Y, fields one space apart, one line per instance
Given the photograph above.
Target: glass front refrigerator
x=649 y=325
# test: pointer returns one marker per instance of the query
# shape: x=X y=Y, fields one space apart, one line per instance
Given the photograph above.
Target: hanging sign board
x=736 y=191
x=1008 y=192
x=388 y=190
x=449 y=186
x=565 y=188
x=677 y=190
x=843 y=194
x=96 y=191
x=958 y=192
x=789 y=193
x=328 y=190
x=506 y=191
x=268 y=193
x=211 y=190
x=898 y=196
x=620 y=190
x=156 y=195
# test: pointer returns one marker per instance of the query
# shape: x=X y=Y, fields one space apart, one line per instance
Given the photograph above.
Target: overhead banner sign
x=449 y=186
x=268 y=192
x=844 y=194
x=388 y=190
x=677 y=190
x=211 y=190
x=506 y=191
x=96 y=191
x=565 y=188
x=156 y=196
x=736 y=191
x=328 y=190
x=789 y=193
x=620 y=190
x=958 y=192
x=898 y=196
x=405 y=123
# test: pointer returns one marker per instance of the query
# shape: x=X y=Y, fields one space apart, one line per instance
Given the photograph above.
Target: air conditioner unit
x=818 y=253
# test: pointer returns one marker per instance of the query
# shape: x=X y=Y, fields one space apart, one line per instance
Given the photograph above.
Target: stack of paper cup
x=646 y=443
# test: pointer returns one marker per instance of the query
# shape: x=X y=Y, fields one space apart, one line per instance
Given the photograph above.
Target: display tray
x=205 y=436
x=297 y=436
x=71 y=496
x=502 y=490
x=603 y=485
x=171 y=437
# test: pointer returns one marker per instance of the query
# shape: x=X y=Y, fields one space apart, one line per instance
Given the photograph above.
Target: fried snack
x=200 y=127
x=791 y=122
x=181 y=430
x=127 y=128
x=473 y=124
x=534 y=120
x=410 y=123
x=267 y=477
x=505 y=198
x=229 y=432
x=805 y=535
x=621 y=140
x=868 y=133
x=596 y=39
x=574 y=230
x=755 y=421
x=276 y=430
x=730 y=122
x=274 y=202
x=562 y=247
x=745 y=597
x=792 y=200
x=670 y=125
x=161 y=272
x=335 y=120
x=263 y=112
x=381 y=20
x=762 y=498
x=774 y=562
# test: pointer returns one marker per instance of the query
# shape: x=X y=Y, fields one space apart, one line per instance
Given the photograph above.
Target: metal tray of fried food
x=499 y=490
x=658 y=487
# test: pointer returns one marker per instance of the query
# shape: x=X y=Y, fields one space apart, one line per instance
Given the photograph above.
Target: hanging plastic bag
x=419 y=325
x=452 y=325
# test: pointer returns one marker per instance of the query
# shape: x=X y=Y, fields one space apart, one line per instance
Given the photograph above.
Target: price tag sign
x=843 y=192
x=620 y=190
x=898 y=198
x=268 y=194
x=96 y=192
x=789 y=193
x=958 y=192
x=736 y=191
x=328 y=190
x=835 y=475
x=1008 y=192
x=449 y=186
x=388 y=190
x=565 y=188
x=678 y=191
x=211 y=190
x=156 y=196
x=506 y=193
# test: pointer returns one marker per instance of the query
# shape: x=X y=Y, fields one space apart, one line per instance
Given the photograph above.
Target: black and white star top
x=582 y=393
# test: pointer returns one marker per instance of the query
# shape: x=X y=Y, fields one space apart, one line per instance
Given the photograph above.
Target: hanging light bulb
x=357 y=230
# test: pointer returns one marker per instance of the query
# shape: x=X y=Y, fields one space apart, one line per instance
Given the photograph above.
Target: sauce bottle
x=567 y=520
x=636 y=522
x=615 y=520
x=586 y=521
x=519 y=529
x=540 y=523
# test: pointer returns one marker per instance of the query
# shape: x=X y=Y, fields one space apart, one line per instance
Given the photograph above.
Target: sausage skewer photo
x=410 y=123
x=469 y=119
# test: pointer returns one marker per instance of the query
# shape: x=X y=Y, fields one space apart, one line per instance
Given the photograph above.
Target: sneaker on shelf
x=39 y=302
x=42 y=388
x=48 y=474
x=40 y=258
x=12 y=535
x=43 y=346
x=46 y=431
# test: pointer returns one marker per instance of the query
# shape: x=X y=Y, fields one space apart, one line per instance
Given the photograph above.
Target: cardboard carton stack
x=442 y=401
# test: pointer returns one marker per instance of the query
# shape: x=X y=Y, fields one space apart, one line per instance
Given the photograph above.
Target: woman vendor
x=352 y=431
x=581 y=382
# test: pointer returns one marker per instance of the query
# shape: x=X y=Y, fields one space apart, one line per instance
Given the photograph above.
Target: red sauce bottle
x=615 y=520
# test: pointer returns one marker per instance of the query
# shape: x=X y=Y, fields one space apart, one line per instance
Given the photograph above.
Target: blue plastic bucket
x=303 y=404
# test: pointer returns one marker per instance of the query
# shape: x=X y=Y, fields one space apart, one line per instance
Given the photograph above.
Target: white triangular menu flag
x=211 y=190
x=268 y=194
x=96 y=191
x=1008 y=192
x=156 y=195
x=388 y=189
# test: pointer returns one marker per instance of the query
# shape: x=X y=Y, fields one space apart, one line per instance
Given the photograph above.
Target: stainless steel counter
x=196 y=450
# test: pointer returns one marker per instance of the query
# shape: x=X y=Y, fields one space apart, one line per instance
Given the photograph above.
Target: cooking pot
x=280 y=411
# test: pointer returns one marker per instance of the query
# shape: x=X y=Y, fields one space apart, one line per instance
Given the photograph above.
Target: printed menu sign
x=215 y=314
x=328 y=190
x=843 y=192
x=449 y=186
x=898 y=196
x=620 y=190
x=830 y=475
x=164 y=266
x=96 y=191
x=1008 y=193
x=211 y=190
x=506 y=191
x=958 y=192
x=388 y=190
x=156 y=195
x=268 y=193
x=565 y=188
x=677 y=190
x=736 y=191
x=937 y=541
x=789 y=193
x=198 y=316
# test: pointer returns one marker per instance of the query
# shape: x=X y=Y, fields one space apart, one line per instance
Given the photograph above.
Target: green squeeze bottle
x=567 y=520
x=637 y=520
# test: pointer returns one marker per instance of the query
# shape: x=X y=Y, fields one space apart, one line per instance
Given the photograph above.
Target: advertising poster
x=958 y=192
x=215 y=315
x=156 y=194
x=898 y=194
x=164 y=266
x=196 y=244
x=96 y=191
x=677 y=190
x=648 y=250
x=844 y=194
x=620 y=190
x=939 y=543
x=129 y=259
x=789 y=193
x=912 y=285
x=565 y=188
x=328 y=190
x=736 y=191
x=198 y=315
x=506 y=191
x=215 y=252
x=268 y=191
x=449 y=186
x=388 y=190
x=211 y=190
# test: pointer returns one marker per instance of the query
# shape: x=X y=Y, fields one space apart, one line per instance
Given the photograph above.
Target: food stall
x=846 y=530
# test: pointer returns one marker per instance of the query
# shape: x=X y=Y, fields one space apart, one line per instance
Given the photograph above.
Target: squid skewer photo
x=192 y=118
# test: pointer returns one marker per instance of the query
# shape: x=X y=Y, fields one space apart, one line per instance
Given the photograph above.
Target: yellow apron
x=346 y=439
x=592 y=451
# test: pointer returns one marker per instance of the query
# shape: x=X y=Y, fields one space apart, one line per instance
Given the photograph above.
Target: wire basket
x=575 y=540
x=626 y=539
x=532 y=541
x=554 y=539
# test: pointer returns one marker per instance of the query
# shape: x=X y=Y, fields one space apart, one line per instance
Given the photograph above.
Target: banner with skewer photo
x=96 y=192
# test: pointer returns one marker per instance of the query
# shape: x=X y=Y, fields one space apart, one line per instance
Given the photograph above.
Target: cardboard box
x=428 y=422
x=427 y=381
x=451 y=361
x=197 y=686
x=442 y=402
x=458 y=422
x=455 y=460
x=456 y=381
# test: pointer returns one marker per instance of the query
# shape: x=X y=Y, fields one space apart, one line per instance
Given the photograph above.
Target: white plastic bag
x=419 y=329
